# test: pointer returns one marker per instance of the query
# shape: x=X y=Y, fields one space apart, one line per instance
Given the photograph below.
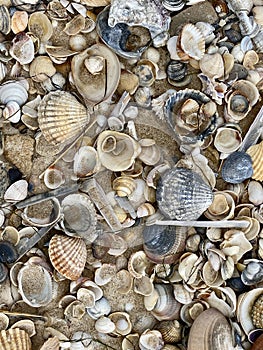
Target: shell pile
x=131 y=193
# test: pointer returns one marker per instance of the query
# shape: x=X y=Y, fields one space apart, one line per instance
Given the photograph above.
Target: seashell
x=255 y=192
x=4 y=321
x=173 y=5
x=121 y=320
x=250 y=59
x=68 y=255
x=19 y=21
x=16 y=192
x=124 y=185
x=130 y=340
x=150 y=152
x=35 y=285
x=210 y=330
x=86 y=296
x=143 y=286
x=124 y=280
x=102 y=307
x=238 y=5
x=207 y=31
x=192 y=41
x=75 y=25
x=96 y=3
x=182 y=295
x=258 y=14
x=145 y=209
x=14 y=91
x=22 y=48
x=171 y=331
x=117 y=151
x=256 y=153
x=51 y=344
x=27 y=325
x=89 y=285
x=98 y=87
x=222 y=207
x=227 y=139
x=177 y=74
x=86 y=161
x=61 y=116
x=75 y=310
x=77 y=42
x=15 y=339
x=128 y=82
x=237 y=167
x=212 y=65
x=53 y=177
x=10 y=234
x=182 y=194
x=104 y=274
x=41 y=68
x=252 y=274
x=151 y=340
x=12 y=112
x=138 y=264
x=3 y=272
x=104 y=325
x=164 y=244
x=94 y=64
x=40 y=25
x=5 y=22
x=146 y=71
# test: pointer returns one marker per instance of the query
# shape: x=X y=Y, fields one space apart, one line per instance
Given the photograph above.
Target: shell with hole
x=61 y=116
x=117 y=151
x=15 y=339
x=68 y=255
x=101 y=84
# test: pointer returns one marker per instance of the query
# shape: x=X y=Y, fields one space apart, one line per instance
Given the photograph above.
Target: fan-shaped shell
x=182 y=194
x=68 y=255
x=256 y=154
x=192 y=41
x=61 y=116
x=15 y=339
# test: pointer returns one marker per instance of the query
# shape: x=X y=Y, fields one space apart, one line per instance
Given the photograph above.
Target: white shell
x=53 y=177
x=16 y=192
x=86 y=161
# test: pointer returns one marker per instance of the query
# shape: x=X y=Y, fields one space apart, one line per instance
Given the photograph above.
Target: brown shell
x=171 y=331
x=258 y=344
x=256 y=154
x=68 y=255
x=61 y=116
x=15 y=339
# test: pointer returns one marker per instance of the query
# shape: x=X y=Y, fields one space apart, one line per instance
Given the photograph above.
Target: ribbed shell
x=15 y=339
x=256 y=154
x=4 y=181
x=163 y=244
x=173 y=5
x=237 y=168
x=61 y=116
x=68 y=255
x=192 y=41
x=182 y=194
x=171 y=331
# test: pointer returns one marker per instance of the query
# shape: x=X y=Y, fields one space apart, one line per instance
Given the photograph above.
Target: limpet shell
x=15 y=339
x=68 y=255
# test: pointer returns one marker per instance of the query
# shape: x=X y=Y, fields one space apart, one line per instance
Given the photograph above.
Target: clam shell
x=22 y=48
x=237 y=168
x=15 y=91
x=41 y=68
x=15 y=339
x=124 y=185
x=16 y=192
x=210 y=330
x=212 y=65
x=61 y=116
x=227 y=139
x=182 y=194
x=192 y=41
x=256 y=154
x=86 y=161
x=68 y=255
x=151 y=340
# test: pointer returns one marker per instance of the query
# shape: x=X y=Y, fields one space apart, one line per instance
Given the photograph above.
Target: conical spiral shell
x=61 y=116
x=256 y=154
x=68 y=255
x=15 y=339
x=182 y=194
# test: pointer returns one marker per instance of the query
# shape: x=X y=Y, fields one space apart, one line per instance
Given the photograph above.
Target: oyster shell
x=68 y=255
x=61 y=116
x=15 y=339
x=182 y=194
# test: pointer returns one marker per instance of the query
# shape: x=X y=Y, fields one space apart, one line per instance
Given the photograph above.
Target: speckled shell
x=163 y=244
x=182 y=194
x=15 y=339
x=68 y=255
x=257 y=312
x=256 y=154
x=61 y=116
x=237 y=168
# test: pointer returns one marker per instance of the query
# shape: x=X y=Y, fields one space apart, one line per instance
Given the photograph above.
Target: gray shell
x=182 y=194
x=177 y=73
x=237 y=168
x=253 y=273
x=174 y=5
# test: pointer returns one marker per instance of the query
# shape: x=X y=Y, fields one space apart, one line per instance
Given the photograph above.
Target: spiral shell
x=15 y=339
x=256 y=154
x=182 y=194
x=68 y=255
x=61 y=116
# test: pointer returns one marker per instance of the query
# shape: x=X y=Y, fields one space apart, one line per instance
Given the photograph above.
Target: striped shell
x=182 y=194
x=61 y=116
x=256 y=154
x=68 y=255
x=15 y=339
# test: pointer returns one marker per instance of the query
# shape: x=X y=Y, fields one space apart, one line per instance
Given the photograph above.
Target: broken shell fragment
x=22 y=48
x=151 y=340
x=256 y=154
x=16 y=192
x=74 y=26
x=40 y=25
x=15 y=339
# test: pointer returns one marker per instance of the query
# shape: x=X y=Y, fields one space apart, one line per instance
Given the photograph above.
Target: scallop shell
x=237 y=168
x=182 y=194
x=256 y=154
x=15 y=339
x=192 y=41
x=68 y=255
x=61 y=116
x=164 y=244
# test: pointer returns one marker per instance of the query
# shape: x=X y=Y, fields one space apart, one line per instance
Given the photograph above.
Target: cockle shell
x=227 y=139
x=237 y=168
x=15 y=339
x=256 y=154
x=182 y=194
x=171 y=331
x=151 y=340
x=212 y=65
x=68 y=255
x=61 y=116
x=222 y=207
x=27 y=325
x=123 y=325
x=192 y=41
x=210 y=330
x=53 y=177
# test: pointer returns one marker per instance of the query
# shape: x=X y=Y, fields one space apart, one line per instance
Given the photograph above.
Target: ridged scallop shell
x=61 y=116
x=15 y=339
x=256 y=154
x=182 y=194
x=164 y=244
x=192 y=41
x=68 y=255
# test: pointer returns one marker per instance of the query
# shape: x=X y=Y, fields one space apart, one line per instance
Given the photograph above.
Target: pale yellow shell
x=15 y=339
x=68 y=255
x=256 y=153
x=61 y=116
